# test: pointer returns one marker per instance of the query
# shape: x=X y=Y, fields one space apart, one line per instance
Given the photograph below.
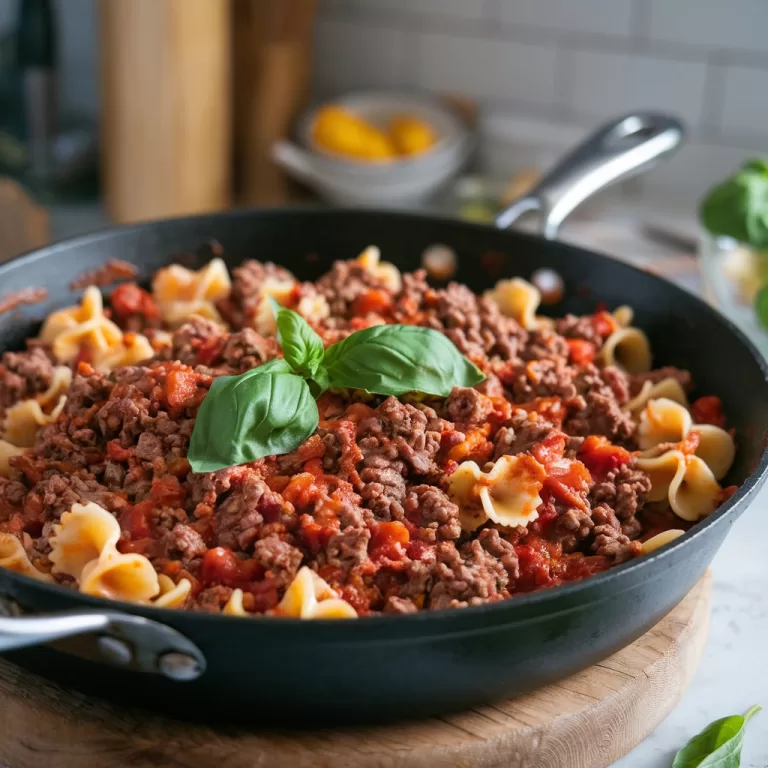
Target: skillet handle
x=121 y=639
x=616 y=151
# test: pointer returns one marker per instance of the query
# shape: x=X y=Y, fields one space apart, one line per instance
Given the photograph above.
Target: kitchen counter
x=733 y=674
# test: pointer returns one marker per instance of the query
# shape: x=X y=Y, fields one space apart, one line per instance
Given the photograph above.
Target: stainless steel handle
x=120 y=639
x=616 y=151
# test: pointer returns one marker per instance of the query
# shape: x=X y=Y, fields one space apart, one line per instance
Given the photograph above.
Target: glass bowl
x=732 y=275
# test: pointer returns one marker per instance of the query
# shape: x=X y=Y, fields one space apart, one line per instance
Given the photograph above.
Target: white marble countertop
x=733 y=674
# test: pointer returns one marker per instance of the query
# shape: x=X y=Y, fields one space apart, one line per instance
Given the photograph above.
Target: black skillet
x=299 y=672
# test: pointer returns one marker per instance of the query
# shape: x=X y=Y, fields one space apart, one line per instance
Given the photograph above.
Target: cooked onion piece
x=508 y=494
x=628 y=349
x=517 y=298
x=661 y=540
x=306 y=596
x=181 y=292
x=13 y=557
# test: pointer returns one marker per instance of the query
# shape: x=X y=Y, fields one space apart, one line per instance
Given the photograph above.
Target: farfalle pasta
x=181 y=293
x=508 y=494
x=310 y=597
x=546 y=472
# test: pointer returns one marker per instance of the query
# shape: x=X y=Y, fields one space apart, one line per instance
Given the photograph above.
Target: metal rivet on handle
x=115 y=650
x=179 y=666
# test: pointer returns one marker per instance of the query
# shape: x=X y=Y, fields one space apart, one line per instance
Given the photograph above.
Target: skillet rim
x=562 y=593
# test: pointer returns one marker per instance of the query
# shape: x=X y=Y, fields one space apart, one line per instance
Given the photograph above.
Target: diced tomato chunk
x=389 y=541
x=601 y=456
x=128 y=299
x=372 y=301
x=134 y=520
x=708 y=410
x=219 y=566
x=550 y=449
x=581 y=351
x=181 y=388
x=167 y=491
x=604 y=323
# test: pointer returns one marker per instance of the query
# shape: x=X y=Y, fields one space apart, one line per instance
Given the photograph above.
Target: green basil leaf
x=718 y=745
x=395 y=359
x=738 y=207
x=302 y=347
x=247 y=417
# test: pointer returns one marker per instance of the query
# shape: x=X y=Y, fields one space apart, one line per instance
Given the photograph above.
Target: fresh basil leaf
x=247 y=417
x=738 y=207
x=278 y=365
x=302 y=347
x=395 y=359
x=718 y=745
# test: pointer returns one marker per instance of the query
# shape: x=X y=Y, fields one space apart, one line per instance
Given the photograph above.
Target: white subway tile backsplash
x=611 y=17
x=351 y=54
x=693 y=170
x=487 y=67
x=745 y=102
x=739 y=24
x=604 y=84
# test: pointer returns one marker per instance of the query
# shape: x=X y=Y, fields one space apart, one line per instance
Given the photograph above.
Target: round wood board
x=585 y=721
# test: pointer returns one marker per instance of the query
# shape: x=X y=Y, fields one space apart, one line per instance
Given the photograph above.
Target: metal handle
x=121 y=639
x=616 y=151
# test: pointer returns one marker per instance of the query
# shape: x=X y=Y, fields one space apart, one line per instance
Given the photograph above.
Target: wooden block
x=588 y=720
x=23 y=223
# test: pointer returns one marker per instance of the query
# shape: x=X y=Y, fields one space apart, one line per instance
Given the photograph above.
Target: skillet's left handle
x=616 y=151
x=121 y=639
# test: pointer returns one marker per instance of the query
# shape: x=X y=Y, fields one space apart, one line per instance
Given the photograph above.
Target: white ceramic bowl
x=397 y=182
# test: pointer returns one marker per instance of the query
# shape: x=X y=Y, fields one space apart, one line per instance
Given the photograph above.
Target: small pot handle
x=122 y=639
x=616 y=151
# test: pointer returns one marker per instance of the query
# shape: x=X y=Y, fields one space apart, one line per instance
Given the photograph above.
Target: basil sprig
x=270 y=410
x=718 y=745
x=738 y=206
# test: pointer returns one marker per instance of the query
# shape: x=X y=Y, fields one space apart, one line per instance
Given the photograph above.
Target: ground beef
x=609 y=539
x=467 y=408
x=545 y=344
x=603 y=392
x=56 y=493
x=623 y=490
x=280 y=559
x=571 y=528
x=212 y=599
x=239 y=515
x=668 y=372
x=185 y=543
x=246 y=349
x=433 y=512
x=345 y=282
x=474 y=324
x=349 y=547
x=23 y=375
x=397 y=604
x=192 y=336
x=248 y=280
x=574 y=327
x=469 y=576
x=520 y=434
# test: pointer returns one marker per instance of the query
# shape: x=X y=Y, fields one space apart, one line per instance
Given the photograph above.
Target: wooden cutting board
x=588 y=720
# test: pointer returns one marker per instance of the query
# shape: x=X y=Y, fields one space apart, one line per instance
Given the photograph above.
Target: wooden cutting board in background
x=166 y=107
x=587 y=720
x=273 y=51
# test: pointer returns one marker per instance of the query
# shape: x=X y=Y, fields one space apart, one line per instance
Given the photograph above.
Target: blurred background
x=126 y=110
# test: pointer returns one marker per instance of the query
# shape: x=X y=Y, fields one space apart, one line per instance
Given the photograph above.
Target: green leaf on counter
x=718 y=745
x=738 y=207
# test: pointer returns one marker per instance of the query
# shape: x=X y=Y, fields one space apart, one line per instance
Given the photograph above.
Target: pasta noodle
x=623 y=316
x=24 y=419
x=668 y=388
x=685 y=481
x=234 y=606
x=172 y=595
x=84 y=546
x=73 y=329
x=661 y=539
x=508 y=494
x=627 y=349
x=310 y=597
x=314 y=308
x=181 y=292
x=387 y=273
x=13 y=557
x=517 y=298
x=665 y=421
x=280 y=291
